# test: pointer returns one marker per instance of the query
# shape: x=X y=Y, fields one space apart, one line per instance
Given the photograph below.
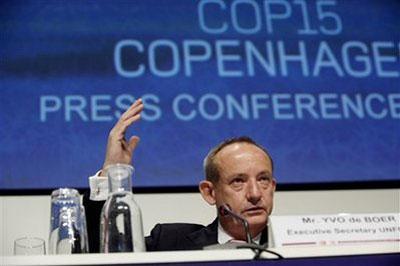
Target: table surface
x=187 y=257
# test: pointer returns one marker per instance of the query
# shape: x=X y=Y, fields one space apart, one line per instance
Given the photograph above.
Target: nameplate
x=337 y=229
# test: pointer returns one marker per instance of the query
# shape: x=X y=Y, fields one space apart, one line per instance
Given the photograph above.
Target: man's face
x=245 y=184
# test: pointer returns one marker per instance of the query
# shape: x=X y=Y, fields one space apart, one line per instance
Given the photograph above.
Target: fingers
x=133 y=142
x=133 y=110
x=131 y=120
x=131 y=115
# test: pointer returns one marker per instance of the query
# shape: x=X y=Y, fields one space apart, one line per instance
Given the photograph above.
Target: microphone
x=225 y=210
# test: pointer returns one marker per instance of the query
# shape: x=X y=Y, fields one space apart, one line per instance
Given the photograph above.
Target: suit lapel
x=264 y=237
x=209 y=236
x=205 y=236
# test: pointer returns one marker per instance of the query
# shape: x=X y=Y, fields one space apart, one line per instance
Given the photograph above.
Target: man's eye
x=265 y=179
x=237 y=181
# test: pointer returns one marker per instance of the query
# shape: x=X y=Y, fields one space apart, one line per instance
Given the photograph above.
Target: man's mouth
x=253 y=210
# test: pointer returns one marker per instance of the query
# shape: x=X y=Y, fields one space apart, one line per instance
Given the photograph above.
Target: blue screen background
x=65 y=50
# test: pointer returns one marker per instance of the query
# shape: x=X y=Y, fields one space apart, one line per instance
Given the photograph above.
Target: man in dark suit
x=239 y=174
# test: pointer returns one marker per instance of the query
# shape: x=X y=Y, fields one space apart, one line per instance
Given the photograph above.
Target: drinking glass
x=68 y=237
x=29 y=246
x=68 y=233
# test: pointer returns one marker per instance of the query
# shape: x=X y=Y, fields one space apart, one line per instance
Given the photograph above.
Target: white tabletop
x=198 y=256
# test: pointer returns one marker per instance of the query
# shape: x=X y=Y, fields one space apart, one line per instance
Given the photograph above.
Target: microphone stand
x=258 y=249
x=226 y=210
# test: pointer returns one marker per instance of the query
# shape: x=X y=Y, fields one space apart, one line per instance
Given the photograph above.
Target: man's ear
x=207 y=191
x=274 y=184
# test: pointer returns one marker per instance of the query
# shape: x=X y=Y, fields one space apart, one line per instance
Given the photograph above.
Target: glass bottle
x=121 y=228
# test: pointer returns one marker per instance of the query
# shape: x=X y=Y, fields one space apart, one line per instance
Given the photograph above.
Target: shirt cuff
x=98 y=187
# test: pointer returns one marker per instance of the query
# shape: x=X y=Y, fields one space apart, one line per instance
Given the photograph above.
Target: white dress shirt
x=98 y=187
x=224 y=237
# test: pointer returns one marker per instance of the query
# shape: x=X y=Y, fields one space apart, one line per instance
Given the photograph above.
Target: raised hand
x=119 y=150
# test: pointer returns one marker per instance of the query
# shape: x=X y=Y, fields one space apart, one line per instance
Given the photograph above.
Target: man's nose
x=253 y=191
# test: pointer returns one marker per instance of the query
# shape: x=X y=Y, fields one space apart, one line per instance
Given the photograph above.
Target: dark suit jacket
x=163 y=237
x=182 y=236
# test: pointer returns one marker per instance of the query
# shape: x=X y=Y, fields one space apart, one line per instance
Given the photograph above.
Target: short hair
x=211 y=169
